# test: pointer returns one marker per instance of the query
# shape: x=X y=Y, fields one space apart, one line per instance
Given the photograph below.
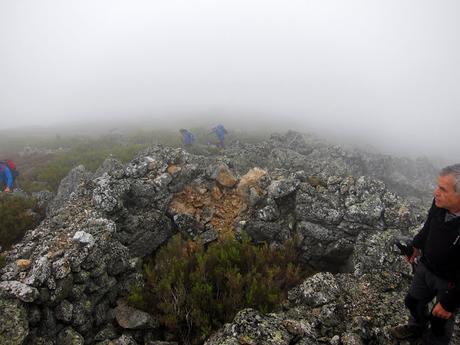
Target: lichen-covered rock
x=187 y=225
x=377 y=253
x=109 y=332
x=124 y=340
x=139 y=167
x=18 y=290
x=68 y=336
x=44 y=198
x=318 y=206
x=83 y=238
x=107 y=196
x=143 y=233
x=131 y=318
x=250 y=327
x=64 y=311
x=368 y=211
x=281 y=188
x=67 y=186
x=111 y=167
x=316 y=291
x=14 y=326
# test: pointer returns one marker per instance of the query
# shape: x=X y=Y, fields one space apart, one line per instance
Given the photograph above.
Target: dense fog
x=383 y=73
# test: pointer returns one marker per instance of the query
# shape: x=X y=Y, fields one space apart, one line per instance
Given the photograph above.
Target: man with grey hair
x=437 y=273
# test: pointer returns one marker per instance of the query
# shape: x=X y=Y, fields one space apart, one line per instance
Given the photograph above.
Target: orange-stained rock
x=172 y=169
x=216 y=194
x=23 y=264
x=225 y=177
x=251 y=179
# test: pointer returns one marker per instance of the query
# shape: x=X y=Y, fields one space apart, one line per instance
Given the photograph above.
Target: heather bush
x=17 y=215
x=195 y=289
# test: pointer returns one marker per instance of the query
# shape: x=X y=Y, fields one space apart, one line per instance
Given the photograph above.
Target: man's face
x=445 y=195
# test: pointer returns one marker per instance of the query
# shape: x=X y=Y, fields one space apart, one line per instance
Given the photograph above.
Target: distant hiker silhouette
x=187 y=137
x=220 y=132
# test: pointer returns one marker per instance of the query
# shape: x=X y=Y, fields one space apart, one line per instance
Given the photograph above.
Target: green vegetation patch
x=90 y=153
x=195 y=289
x=17 y=215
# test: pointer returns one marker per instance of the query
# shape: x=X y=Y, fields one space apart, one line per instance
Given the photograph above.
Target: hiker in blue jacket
x=6 y=178
x=187 y=137
x=220 y=132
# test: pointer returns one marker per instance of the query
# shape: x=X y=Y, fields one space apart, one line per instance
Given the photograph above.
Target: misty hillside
x=131 y=252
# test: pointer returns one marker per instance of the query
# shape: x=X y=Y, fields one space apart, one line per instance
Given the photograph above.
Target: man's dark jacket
x=440 y=244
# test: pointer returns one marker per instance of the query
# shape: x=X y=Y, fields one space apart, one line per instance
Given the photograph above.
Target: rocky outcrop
x=65 y=280
x=295 y=151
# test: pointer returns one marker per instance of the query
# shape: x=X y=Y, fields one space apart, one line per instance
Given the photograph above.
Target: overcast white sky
x=387 y=71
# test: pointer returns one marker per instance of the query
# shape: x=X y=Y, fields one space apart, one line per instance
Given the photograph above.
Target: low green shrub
x=17 y=215
x=195 y=289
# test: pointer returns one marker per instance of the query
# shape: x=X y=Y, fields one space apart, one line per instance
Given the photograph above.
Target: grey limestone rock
x=369 y=211
x=282 y=188
x=111 y=167
x=109 y=192
x=316 y=291
x=67 y=186
x=39 y=273
x=138 y=167
x=61 y=268
x=143 y=233
x=84 y=238
x=18 y=290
